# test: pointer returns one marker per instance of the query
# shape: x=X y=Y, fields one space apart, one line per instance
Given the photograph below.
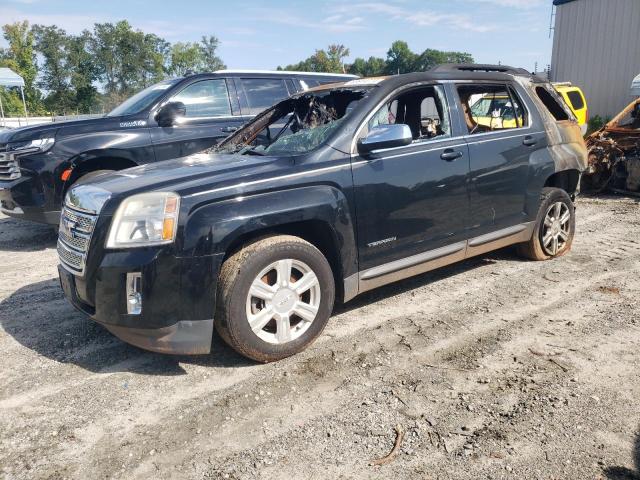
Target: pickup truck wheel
x=555 y=227
x=275 y=297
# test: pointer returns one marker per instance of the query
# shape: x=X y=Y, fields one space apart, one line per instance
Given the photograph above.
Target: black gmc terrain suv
x=329 y=193
x=170 y=119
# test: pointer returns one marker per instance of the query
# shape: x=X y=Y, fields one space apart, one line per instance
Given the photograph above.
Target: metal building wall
x=596 y=45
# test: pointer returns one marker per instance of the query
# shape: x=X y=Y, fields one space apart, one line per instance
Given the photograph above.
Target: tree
x=373 y=67
x=20 y=57
x=84 y=71
x=400 y=58
x=336 y=54
x=210 y=60
x=430 y=58
x=185 y=58
x=329 y=61
x=54 y=76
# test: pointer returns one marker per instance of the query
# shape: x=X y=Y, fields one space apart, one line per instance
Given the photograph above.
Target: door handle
x=228 y=129
x=529 y=141
x=449 y=155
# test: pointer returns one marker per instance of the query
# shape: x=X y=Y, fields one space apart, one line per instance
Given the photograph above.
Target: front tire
x=274 y=298
x=555 y=227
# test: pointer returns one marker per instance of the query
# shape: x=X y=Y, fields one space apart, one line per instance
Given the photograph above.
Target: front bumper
x=25 y=198
x=178 y=299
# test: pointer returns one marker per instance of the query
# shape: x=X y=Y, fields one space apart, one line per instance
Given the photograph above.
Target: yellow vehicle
x=496 y=111
x=574 y=98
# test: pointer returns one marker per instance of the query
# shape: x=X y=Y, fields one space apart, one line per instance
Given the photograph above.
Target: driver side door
x=210 y=117
x=412 y=200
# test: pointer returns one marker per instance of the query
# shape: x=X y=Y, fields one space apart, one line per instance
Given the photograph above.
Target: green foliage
x=400 y=59
x=123 y=60
x=114 y=55
x=20 y=57
x=329 y=60
x=595 y=123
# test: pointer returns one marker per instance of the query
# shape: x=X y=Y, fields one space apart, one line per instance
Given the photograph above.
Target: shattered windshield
x=294 y=126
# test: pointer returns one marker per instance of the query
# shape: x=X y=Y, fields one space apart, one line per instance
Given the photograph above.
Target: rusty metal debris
x=394 y=451
x=614 y=154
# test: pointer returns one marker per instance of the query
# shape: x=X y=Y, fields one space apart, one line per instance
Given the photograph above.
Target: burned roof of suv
x=492 y=73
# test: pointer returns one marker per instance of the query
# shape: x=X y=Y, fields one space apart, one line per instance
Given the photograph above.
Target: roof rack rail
x=475 y=67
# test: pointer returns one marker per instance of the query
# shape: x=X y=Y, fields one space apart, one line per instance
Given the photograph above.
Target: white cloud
x=420 y=18
x=333 y=23
x=72 y=23
x=521 y=4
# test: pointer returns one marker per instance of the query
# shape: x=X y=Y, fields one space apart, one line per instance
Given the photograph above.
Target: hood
x=185 y=175
x=31 y=132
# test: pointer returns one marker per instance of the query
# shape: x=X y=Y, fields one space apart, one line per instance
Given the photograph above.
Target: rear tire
x=555 y=227
x=274 y=298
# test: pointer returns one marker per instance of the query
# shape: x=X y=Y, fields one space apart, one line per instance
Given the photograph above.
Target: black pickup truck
x=170 y=119
x=329 y=193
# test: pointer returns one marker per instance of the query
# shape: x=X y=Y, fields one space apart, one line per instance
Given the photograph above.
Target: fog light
x=134 y=293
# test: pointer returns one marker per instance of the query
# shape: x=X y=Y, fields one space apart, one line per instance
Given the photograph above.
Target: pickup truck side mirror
x=385 y=136
x=169 y=113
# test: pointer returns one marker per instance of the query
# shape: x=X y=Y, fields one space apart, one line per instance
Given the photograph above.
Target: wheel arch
x=317 y=214
x=567 y=180
x=88 y=163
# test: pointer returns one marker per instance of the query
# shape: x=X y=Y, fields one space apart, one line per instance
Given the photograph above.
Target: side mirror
x=385 y=136
x=169 y=113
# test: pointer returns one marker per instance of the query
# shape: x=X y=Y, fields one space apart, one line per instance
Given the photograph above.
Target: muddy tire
x=274 y=298
x=555 y=227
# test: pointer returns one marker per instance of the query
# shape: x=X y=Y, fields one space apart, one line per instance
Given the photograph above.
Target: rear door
x=502 y=137
x=212 y=113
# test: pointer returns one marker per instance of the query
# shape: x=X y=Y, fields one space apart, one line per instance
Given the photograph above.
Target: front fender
x=213 y=228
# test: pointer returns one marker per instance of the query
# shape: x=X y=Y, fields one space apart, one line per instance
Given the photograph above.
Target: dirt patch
x=492 y=368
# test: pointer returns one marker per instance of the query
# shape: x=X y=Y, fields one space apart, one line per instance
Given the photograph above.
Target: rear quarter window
x=576 y=99
x=554 y=108
x=263 y=92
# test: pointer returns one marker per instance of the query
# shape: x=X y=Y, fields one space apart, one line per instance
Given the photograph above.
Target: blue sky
x=259 y=34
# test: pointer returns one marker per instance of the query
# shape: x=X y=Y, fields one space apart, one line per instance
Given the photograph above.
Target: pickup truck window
x=424 y=109
x=142 y=99
x=208 y=98
x=294 y=126
x=488 y=108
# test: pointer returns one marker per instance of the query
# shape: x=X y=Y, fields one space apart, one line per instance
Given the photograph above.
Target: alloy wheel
x=283 y=301
x=556 y=229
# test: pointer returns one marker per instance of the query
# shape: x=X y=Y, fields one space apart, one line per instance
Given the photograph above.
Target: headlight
x=145 y=219
x=36 y=145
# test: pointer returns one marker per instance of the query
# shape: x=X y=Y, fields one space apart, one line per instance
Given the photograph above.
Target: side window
x=489 y=108
x=424 y=109
x=263 y=92
x=208 y=98
x=555 y=109
x=576 y=100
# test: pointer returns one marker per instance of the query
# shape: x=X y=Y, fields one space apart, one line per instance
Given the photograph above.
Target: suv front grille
x=9 y=167
x=73 y=239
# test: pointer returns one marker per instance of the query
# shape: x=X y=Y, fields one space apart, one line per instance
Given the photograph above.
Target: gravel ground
x=492 y=368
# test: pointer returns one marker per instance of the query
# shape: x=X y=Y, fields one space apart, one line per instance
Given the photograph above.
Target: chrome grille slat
x=70 y=259
x=77 y=243
x=9 y=167
x=73 y=239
